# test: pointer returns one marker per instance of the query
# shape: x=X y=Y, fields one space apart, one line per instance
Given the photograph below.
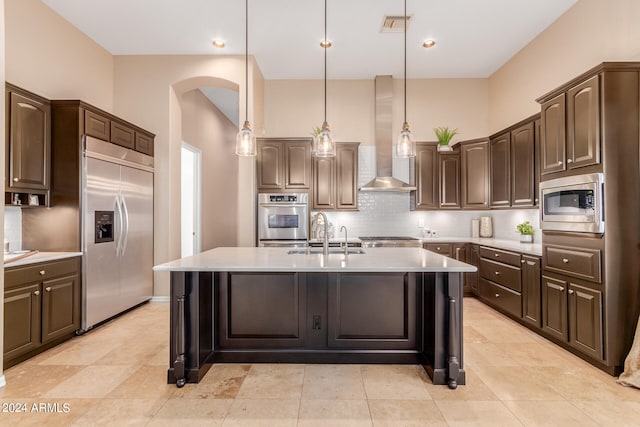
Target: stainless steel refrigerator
x=117 y=224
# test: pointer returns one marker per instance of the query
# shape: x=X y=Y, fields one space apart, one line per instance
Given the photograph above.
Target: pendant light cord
x=325 y=61
x=405 y=61
x=246 y=60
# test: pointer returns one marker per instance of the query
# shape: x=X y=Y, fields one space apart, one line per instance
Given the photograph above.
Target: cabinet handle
x=48 y=289
x=16 y=179
x=522 y=261
x=561 y=289
x=497 y=255
x=565 y=260
x=497 y=295
x=571 y=291
x=497 y=273
x=36 y=293
x=569 y=160
x=438 y=248
x=42 y=272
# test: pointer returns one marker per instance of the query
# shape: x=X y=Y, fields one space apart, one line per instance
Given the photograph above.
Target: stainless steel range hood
x=384 y=180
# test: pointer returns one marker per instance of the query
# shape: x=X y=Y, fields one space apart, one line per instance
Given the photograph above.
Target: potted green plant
x=444 y=135
x=526 y=232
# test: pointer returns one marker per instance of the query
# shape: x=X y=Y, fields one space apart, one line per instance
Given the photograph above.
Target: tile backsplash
x=388 y=213
x=13 y=227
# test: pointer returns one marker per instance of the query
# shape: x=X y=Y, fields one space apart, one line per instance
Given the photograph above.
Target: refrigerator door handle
x=118 y=220
x=123 y=245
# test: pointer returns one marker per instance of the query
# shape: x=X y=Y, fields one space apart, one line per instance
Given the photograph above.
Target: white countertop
x=41 y=257
x=508 y=245
x=277 y=259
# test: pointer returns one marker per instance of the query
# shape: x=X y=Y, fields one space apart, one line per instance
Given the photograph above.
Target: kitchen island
x=253 y=305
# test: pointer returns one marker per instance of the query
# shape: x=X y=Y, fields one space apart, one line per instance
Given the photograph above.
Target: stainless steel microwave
x=573 y=203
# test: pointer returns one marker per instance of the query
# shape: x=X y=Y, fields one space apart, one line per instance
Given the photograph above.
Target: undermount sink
x=316 y=251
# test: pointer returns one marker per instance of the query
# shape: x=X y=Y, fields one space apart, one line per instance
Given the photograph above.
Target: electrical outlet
x=421 y=223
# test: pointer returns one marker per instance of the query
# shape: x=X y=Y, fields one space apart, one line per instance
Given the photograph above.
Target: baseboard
x=159 y=299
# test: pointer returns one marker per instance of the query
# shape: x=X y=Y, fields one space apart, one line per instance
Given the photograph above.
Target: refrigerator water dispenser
x=103 y=226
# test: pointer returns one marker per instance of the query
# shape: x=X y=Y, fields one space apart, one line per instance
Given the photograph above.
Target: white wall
x=293 y=107
x=591 y=32
x=48 y=56
x=208 y=129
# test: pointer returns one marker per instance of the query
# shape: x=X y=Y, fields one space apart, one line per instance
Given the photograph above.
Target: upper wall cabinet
x=284 y=164
x=571 y=128
x=437 y=178
x=514 y=173
x=335 y=179
x=28 y=147
x=475 y=174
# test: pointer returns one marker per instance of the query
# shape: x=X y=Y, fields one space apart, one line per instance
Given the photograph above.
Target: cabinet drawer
x=576 y=262
x=510 y=258
x=96 y=125
x=501 y=297
x=440 y=248
x=122 y=135
x=503 y=274
x=17 y=276
x=144 y=144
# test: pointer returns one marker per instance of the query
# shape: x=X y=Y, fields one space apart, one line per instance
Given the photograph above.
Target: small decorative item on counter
x=444 y=136
x=486 y=226
x=526 y=232
x=475 y=228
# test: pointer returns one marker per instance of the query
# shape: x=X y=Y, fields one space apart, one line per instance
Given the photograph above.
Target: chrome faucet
x=325 y=240
x=346 y=240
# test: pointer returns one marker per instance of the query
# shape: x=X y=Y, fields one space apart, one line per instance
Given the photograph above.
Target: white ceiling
x=474 y=37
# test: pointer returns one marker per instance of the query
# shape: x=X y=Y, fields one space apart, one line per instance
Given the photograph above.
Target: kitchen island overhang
x=253 y=305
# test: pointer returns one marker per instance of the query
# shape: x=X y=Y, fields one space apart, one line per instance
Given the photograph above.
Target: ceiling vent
x=394 y=23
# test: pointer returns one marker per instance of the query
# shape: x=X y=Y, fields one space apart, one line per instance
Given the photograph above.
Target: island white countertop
x=40 y=257
x=379 y=260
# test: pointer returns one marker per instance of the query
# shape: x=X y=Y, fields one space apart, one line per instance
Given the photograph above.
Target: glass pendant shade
x=325 y=145
x=406 y=144
x=246 y=141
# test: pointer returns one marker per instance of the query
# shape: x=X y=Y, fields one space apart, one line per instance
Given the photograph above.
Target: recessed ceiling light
x=218 y=43
x=326 y=43
x=428 y=43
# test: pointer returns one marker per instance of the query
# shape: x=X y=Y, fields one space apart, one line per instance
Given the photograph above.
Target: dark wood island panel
x=316 y=317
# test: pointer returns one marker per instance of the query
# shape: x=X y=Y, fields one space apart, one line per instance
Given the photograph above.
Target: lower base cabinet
x=41 y=307
x=573 y=313
x=531 y=298
x=317 y=311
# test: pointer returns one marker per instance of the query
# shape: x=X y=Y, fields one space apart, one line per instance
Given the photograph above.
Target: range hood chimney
x=384 y=180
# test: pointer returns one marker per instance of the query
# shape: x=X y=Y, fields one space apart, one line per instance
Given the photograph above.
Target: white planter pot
x=444 y=148
x=526 y=238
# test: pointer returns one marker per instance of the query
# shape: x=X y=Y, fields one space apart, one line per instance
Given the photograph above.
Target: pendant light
x=325 y=146
x=406 y=145
x=246 y=140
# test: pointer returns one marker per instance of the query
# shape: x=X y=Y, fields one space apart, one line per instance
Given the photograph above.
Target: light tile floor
x=115 y=375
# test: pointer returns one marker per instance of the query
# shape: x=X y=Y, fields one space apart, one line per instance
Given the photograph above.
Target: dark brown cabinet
x=471 y=279
x=475 y=174
x=553 y=142
x=583 y=124
x=123 y=135
x=531 y=297
x=500 y=283
x=335 y=179
x=28 y=146
x=573 y=313
x=523 y=166
x=284 y=164
x=571 y=128
x=97 y=125
x=449 y=180
x=426 y=170
x=437 y=178
x=501 y=171
x=585 y=320
x=513 y=166
x=41 y=307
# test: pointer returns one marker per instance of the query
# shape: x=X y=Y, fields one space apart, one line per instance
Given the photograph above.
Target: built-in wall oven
x=283 y=219
x=573 y=203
